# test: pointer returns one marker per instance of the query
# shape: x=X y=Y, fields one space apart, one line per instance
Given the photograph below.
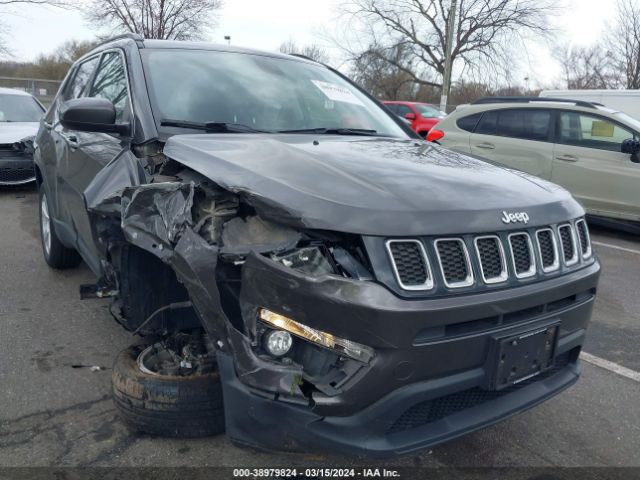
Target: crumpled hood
x=373 y=186
x=12 y=132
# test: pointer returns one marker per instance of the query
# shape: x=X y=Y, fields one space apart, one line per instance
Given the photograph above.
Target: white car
x=20 y=115
x=592 y=151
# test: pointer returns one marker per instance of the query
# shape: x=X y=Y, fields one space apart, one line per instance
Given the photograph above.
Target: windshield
x=429 y=111
x=19 y=108
x=260 y=92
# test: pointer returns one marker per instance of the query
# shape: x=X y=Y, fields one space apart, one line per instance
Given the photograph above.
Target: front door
x=89 y=152
x=588 y=162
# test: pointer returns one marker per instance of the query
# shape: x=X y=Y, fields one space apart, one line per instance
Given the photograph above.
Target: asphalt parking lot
x=55 y=411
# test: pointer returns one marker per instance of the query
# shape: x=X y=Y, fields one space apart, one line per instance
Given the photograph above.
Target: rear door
x=519 y=138
x=588 y=162
x=89 y=152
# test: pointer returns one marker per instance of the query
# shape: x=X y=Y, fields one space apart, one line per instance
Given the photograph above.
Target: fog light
x=324 y=339
x=278 y=342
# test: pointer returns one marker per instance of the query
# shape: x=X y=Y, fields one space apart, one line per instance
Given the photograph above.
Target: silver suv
x=587 y=148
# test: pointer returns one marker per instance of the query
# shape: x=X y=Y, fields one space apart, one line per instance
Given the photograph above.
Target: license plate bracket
x=520 y=357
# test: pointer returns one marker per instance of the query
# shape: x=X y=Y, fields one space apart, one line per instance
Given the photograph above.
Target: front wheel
x=55 y=253
x=158 y=391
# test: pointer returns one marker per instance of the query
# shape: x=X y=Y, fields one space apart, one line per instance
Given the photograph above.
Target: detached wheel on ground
x=160 y=391
x=55 y=253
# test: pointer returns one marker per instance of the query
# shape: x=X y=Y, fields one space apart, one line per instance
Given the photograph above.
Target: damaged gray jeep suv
x=304 y=272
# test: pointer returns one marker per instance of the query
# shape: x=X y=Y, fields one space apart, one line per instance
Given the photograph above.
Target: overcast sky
x=266 y=24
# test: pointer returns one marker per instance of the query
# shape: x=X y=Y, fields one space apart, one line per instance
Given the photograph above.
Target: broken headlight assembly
x=314 y=260
x=338 y=345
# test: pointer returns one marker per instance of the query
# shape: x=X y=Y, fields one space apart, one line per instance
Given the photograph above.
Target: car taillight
x=434 y=135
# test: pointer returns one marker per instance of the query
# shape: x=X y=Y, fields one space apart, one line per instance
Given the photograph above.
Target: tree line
x=395 y=49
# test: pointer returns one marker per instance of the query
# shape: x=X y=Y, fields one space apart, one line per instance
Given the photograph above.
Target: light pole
x=446 y=80
x=228 y=39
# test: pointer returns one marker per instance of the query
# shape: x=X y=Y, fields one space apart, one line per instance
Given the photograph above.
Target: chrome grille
x=492 y=260
x=410 y=264
x=548 y=249
x=522 y=255
x=568 y=241
x=454 y=262
x=583 y=236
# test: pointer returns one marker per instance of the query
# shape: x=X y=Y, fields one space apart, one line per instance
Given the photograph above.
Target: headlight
x=343 y=347
x=309 y=260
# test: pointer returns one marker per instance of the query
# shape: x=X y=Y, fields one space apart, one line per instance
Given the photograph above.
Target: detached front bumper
x=427 y=382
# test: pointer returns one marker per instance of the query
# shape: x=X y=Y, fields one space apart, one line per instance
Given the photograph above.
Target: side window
x=588 y=131
x=80 y=83
x=403 y=110
x=111 y=82
x=469 y=122
x=488 y=123
x=528 y=124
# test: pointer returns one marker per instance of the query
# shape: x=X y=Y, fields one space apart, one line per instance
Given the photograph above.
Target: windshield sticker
x=337 y=93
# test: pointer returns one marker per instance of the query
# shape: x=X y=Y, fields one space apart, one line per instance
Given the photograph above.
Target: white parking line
x=612 y=367
x=608 y=245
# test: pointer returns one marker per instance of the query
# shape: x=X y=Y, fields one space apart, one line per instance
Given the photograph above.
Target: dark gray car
x=306 y=272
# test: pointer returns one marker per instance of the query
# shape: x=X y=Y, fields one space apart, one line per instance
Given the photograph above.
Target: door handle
x=72 y=141
x=486 y=146
x=567 y=158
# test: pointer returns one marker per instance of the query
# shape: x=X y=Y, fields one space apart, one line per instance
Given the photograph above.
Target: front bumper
x=426 y=382
x=16 y=168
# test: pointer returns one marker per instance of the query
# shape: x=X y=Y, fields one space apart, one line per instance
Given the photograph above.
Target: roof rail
x=130 y=35
x=485 y=100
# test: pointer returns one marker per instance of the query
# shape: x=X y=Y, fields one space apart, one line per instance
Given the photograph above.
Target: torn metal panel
x=241 y=236
x=103 y=194
x=194 y=262
x=154 y=215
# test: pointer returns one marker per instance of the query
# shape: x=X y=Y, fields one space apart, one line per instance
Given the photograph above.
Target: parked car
x=423 y=116
x=627 y=101
x=282 y=241
x=590 y=150
x=20 y=115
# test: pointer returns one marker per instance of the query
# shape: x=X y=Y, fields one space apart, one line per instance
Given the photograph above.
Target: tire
x=55 y=253
x=168 y=406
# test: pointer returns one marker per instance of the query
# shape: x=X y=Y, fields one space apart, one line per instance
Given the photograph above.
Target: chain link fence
x=43 y=90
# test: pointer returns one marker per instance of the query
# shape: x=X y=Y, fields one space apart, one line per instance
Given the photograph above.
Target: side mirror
x=91 y=115
x=632 y=147
x=410 y=116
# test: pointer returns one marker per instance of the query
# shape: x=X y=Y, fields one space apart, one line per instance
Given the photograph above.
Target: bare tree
x=313 y=51
x=623 y=43
x=588 y=67
x=487 y=33
x=161 y=19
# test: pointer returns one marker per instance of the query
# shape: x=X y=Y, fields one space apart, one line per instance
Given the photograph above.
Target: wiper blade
x=211 y=127
x=334 y=131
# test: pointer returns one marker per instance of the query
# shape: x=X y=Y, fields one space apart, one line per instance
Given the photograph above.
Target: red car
x=422 y=116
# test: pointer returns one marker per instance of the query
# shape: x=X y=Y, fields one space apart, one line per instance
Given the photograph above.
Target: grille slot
x=583 y=237
x=548 y=249
x=568 y=241
x=524 y=263
x=491 y=256
x=17 y=175
x=410 y=264
x=453 y=258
